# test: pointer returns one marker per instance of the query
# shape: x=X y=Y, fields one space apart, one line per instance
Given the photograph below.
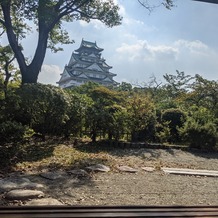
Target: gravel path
x=141 y=188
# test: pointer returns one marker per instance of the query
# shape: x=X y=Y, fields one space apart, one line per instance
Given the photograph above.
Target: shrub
x=42 y=107
x=200 y=136
x=200 y=129
x=141 y=118
x=175 y=119
x=12 y=131
x=12 y=134
x=162 y=132
x=77 y=105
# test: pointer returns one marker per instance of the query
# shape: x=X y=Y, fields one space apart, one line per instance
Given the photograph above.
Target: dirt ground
x=141 y=188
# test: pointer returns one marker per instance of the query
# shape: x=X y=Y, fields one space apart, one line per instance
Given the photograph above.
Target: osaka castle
x=86 y=64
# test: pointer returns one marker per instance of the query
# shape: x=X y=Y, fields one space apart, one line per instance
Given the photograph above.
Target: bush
x=11 y=131
x=11 y=134
x=175 y=119
x=42 y=107
x=162 y=132
x=200 y=136
x=77 y=104
x=200 y=129
x=141 y=118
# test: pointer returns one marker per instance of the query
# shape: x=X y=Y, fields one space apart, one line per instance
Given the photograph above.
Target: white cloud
x=144 y=51
x=96 y=24
x=122 y=10
x=192 y=46
x=164 y=52
x=50 y=74
x=141 y=59
x=83 y=23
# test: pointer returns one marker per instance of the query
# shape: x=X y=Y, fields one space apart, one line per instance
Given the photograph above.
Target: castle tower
x=86 y=64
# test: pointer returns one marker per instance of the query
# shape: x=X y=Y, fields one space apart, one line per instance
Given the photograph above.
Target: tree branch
x=2 y=22
x=65 y=10
x=11 y=35
x=146 y=5
x=2 y=32
x=166 y=3
x=68 y=7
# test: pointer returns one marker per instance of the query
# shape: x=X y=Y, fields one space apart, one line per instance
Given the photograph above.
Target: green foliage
x=200 y=136
x=176 y=84
x=77 y=106
x=205 y=93
x=102 y=113
x=41 y=107
x=12 y=131
x=145 y=114
x=162 y=132
x=175 y=119
x=7 y=69
x=86 y=88
x=141 y=118
x=200 y=129
x=115 y=121
x=104 y=96
x=6 y=54
x=124 y=86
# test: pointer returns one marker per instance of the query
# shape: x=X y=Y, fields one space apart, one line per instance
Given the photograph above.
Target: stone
x=43 y=201
x=127 y=169
x=8 y=184
x=21 y=194
x=148 y=169
x=78 y=172
x=52 y=175
x=99 y=168
x=146 y=155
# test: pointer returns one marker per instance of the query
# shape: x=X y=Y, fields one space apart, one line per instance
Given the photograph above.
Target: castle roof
x=89 y=45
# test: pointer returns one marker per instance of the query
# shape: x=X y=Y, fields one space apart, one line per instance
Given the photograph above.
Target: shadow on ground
x=152 y=149
x=12 y=154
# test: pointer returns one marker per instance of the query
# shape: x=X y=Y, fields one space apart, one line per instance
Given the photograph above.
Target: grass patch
x=60 y=156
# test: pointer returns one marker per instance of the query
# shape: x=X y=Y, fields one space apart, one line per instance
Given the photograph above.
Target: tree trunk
x=30 y=75
x=29 y=72
x=93 y=135
x=7 y=77
x=110 y=136
x=12 y=38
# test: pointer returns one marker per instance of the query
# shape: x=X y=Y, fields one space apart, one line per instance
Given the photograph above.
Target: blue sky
x=146 y=44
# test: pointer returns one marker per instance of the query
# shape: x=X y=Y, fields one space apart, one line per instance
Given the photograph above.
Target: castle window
x=76 y=73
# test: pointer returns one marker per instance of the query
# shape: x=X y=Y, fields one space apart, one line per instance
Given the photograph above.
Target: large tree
x=48 y=17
